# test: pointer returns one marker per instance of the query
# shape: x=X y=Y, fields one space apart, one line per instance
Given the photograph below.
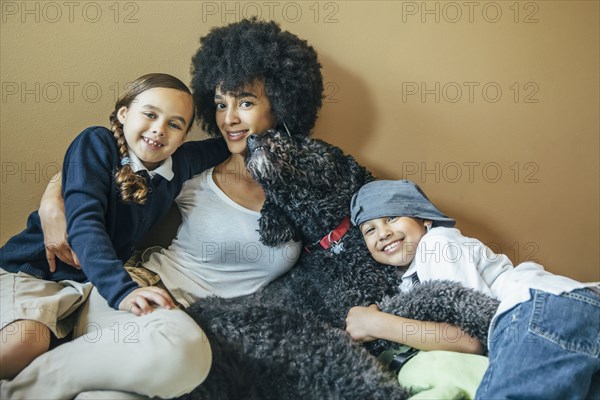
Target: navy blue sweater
x=102 y=230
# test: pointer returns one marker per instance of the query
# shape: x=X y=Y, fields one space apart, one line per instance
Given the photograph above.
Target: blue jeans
x=546 y=348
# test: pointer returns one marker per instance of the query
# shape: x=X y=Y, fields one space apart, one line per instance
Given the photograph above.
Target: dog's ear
x=274 y=227
x=359 y=174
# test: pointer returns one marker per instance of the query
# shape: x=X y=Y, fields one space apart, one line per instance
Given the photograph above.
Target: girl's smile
x=153 y=144
x=155 y=124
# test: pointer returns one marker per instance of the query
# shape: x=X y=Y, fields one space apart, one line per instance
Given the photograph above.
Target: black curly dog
x=287 y=340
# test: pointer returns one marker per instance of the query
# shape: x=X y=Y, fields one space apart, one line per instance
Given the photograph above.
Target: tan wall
x=491 y=106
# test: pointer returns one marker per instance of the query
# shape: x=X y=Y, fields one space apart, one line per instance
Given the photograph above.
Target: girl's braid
x=131 y=186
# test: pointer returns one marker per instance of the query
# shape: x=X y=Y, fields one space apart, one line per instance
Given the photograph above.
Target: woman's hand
x=142 y=301
x=54 y=226
x=361 y=323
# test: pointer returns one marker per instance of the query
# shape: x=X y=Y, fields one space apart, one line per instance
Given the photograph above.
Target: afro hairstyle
x=237 y=55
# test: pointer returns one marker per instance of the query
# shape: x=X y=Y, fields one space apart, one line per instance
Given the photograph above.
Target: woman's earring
x=286 y=129
x=427 y=227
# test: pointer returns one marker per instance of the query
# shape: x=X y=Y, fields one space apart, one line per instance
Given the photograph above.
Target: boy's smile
x=393 y=240
x=390 y=248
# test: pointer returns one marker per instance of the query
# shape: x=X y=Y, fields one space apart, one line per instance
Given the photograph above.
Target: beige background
x=493 y=107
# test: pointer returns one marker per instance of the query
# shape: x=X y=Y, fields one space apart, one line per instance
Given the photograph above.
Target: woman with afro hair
x=247 y=77
x=234 y=56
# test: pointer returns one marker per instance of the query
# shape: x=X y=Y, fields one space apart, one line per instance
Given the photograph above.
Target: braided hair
x=132 y=186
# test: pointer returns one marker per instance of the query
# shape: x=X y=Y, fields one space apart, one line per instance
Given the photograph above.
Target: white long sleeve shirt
x=445 y=254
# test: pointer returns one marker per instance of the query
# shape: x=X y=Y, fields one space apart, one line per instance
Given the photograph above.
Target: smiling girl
x=247 y=77
x=117 y=184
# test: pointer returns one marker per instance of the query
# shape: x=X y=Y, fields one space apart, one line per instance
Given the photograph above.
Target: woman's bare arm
x=54 y=225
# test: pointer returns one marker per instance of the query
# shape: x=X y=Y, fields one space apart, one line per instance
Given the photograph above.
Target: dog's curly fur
x=264 y=353
x=286 y=341
x=308 y=185
x=443 y=301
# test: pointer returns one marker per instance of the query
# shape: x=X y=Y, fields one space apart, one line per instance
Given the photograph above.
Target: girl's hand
x=143 y=300
x=361 y=321
x=54 y=226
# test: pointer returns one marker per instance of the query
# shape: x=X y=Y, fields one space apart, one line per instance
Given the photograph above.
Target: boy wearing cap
x=544 y=339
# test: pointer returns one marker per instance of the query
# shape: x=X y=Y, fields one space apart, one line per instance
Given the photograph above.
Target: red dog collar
x=333 y=237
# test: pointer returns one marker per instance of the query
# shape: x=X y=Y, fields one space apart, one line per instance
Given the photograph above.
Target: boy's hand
x=361 y=321
x=143 y=300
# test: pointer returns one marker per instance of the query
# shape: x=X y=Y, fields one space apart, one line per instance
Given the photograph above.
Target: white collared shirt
x=165 y=169
x=445 y=254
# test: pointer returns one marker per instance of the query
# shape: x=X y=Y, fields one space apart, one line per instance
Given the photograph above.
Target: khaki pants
x=162 y=354
x=53 y=304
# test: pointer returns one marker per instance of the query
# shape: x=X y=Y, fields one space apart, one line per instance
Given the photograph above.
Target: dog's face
x=310 y=182
x=278 y=160
x=270 y=158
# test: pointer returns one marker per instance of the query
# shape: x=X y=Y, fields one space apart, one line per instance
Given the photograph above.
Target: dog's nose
x=251 y=141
